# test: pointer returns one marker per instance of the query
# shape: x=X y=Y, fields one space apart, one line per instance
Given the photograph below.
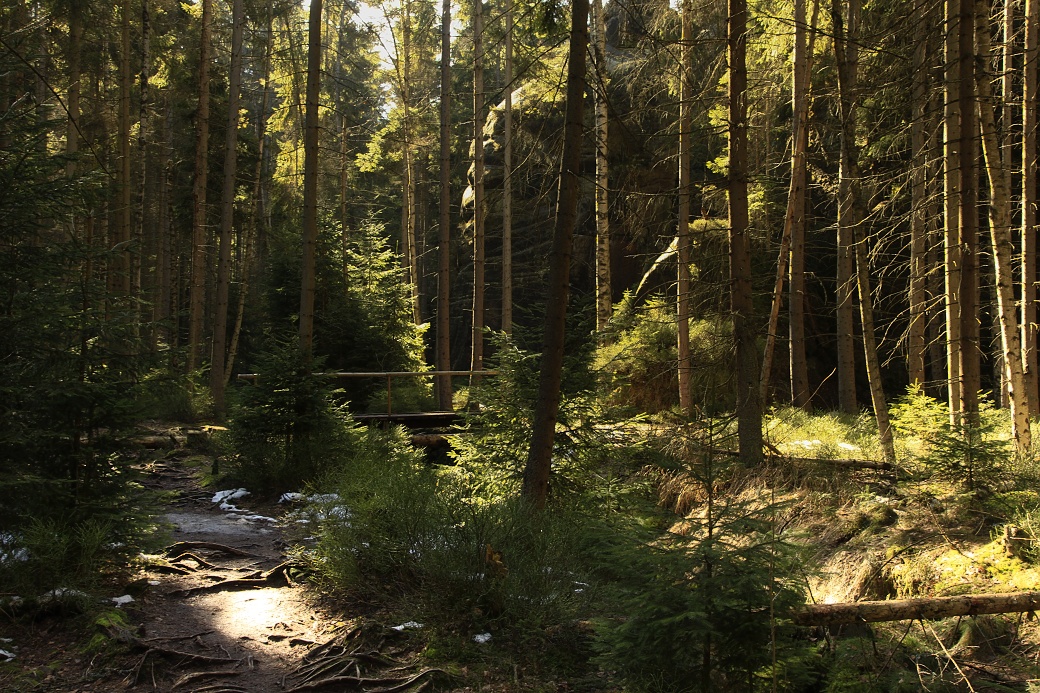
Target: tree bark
x=477 y=348
x=951 y=210
x=683 y=234
x=1001 y=241
x=199 y=234
x=916 y=609
x=604 y=296
x=227 y=213
x=507 y=179
x=850 y=206
x=539 y=456
x=748 y=404
x=918 y=213
x=444 y=232
x=1030 y=94
x=968 y=216
x=800 y=396
x=119 y=269
x=310 y=181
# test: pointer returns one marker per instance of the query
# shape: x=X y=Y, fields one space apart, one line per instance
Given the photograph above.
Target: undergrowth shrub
x=702 y=602
x=285 y=429
x=975 y=455
x=638 y=366
x=463 y=562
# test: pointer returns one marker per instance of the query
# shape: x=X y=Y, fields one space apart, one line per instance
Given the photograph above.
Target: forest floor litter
x=217 y=610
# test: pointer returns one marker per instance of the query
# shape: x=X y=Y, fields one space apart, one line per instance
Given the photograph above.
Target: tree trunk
x=310 y=180
x=918 y=220
x=539 y=456
x=477 y=349
x=507 y=180
x=444 y=230
x=1030 y=94
x=227 y=213
x=408 y=184
x=119 y=269
x=1001 y=241
x=797 y=209
x=604 y=296
x=968 y=215
x=951 y=210
x=199 y=234
x=748 y=404
x=850 y=205
x=683 y=234
x=916 y=609
x=144 y=240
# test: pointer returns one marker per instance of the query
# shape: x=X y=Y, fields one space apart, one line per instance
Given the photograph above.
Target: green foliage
x=461 y=560
x=639 y=365
x=285 y=429
x=702 y=602
x=975 y=455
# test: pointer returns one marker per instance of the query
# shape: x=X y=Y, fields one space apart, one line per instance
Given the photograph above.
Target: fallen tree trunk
x=926 y=608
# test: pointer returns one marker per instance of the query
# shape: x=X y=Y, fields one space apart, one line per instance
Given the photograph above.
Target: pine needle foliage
x=702 y=602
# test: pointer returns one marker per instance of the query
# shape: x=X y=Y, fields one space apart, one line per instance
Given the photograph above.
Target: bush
x=285 y=430
x=702 y=602
x=639 y=367
x=462 y=561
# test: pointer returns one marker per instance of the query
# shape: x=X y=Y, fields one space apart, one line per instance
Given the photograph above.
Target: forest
x=547 y=345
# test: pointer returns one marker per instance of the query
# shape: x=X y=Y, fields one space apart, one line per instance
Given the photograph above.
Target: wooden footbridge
x=409 y=419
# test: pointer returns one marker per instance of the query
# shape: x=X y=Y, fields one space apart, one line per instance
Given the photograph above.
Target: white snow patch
x=410 y=625
x=154 y=583
x=259 y=518
x=230 y=494
x=482 y=638
x=6 y=656
x=121 y=601
x=848 y=446
x=292 y=497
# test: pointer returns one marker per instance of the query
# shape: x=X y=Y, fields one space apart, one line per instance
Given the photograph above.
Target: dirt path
x=218 y=611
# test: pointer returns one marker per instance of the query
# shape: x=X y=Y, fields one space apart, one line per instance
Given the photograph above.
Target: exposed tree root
x=381 y=685
x=198 y=675
x=276 y=577
x=187 y=555
x=182 y=547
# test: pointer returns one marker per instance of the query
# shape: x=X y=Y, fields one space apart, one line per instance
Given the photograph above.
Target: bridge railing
x=388 y=375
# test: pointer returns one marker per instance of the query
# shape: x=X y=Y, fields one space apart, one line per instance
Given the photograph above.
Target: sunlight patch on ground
x=268 y=614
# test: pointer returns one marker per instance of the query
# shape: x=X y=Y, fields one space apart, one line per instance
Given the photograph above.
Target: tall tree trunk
x=784 y=257
x=1030 y=94
x=119 y=270
x=144 y=240
x=748 y=404
x=161 y=311
x=918 y=220
x=968 y=215
x=252 y=235
x=199 y=234
x=604 y=298
x=310 y=180
x=507 y=180
x=850 y=205
x=1000 y=239
x=227 y=212
x=797 y=209
x=683 y=235
x=408 y=161
x=539 y=456
x=477 y=349
x=444 y=224
x=952 y=207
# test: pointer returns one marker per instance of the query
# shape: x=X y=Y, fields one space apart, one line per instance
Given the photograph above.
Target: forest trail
x=218 y=611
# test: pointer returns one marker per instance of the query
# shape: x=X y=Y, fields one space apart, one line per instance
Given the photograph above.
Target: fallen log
x=924 y=608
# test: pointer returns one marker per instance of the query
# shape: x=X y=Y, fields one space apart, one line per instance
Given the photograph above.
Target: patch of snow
x=482 y=638
x=121 y=601
x=323 y=498
x=229 y=508
x=154 y=583
x=6 y=656
x=292 y=497
x=848 y=446
x=62 y=593
x=410 y=625
x=230 y=494
x=259 y=518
